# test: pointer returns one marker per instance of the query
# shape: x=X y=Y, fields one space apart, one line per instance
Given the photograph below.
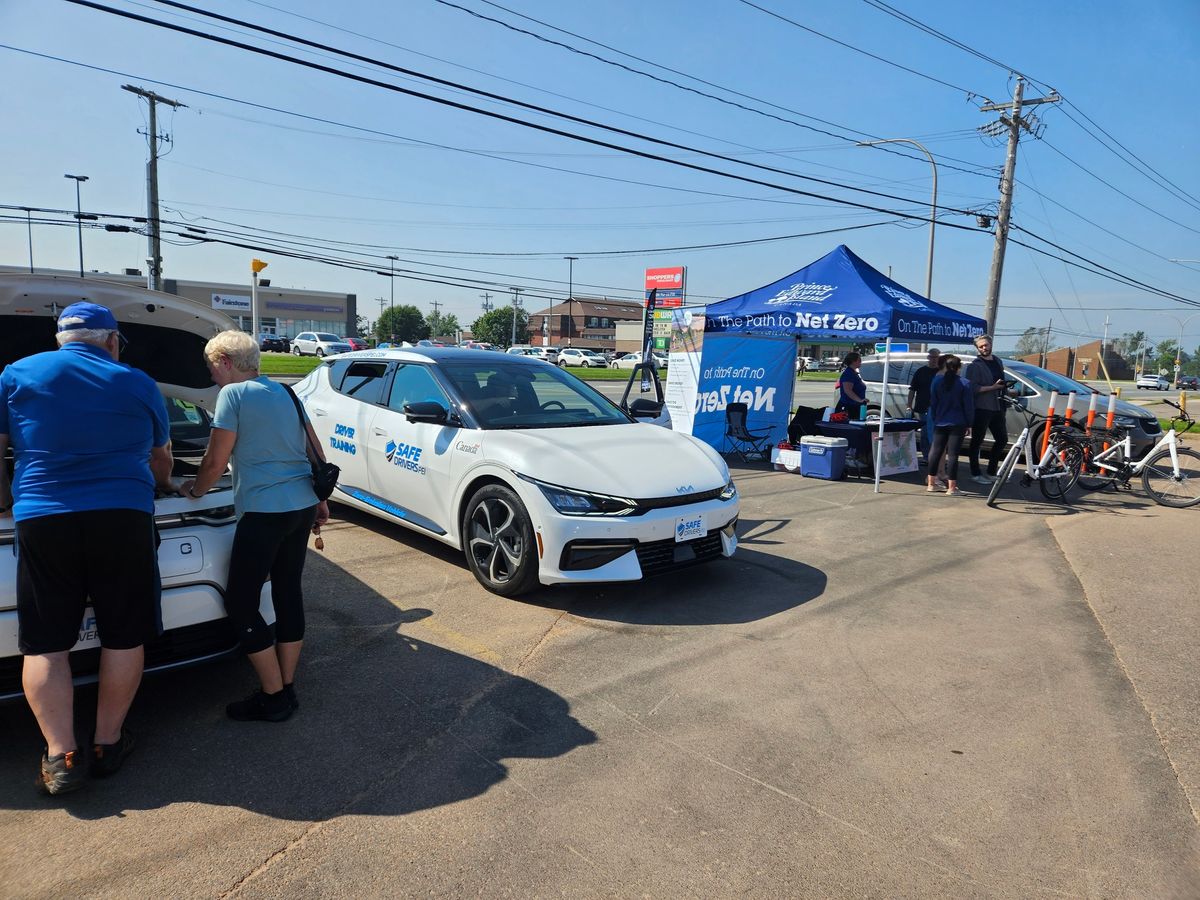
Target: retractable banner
x=755 y=370
x=685 y=348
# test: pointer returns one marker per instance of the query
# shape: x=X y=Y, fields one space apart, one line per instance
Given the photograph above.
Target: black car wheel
x=295 y=350
x=320 y=352
x=499 y=543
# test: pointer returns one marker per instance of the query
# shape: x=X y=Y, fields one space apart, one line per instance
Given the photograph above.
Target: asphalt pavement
x=892 y=695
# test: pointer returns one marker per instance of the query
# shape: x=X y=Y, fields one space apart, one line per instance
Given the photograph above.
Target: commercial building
x=1083 y=362
x=284 y=311
x=585 y=322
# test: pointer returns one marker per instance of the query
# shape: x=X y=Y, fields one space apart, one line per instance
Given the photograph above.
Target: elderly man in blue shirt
x=91 y=443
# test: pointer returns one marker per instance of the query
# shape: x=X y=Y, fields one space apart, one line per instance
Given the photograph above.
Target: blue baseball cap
x=87 y=315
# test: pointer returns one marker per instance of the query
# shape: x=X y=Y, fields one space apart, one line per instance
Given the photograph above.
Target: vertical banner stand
x=878 y=448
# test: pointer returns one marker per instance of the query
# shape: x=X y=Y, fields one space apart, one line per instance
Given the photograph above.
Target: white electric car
x=166 y=337
x=536 y=476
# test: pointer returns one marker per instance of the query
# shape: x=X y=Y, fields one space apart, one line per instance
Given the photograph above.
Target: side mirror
x=645 y=409
x=426 y=411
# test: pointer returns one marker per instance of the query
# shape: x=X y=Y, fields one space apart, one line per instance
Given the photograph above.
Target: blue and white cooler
x=823 y=457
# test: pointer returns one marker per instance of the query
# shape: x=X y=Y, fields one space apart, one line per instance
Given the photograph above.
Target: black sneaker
x=289 y=691
x=261 y=707
x=107 y=758
x=62 y=774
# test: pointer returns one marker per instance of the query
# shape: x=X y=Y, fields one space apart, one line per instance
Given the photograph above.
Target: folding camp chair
x=804 y=423
x=744 y=442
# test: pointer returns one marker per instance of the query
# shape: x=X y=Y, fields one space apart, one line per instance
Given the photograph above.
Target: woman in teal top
x=256 y=426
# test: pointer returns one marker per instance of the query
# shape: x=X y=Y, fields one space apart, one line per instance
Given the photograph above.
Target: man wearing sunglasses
x=91 y=443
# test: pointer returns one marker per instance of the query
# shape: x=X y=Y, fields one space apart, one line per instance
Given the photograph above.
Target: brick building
x=1083 y=362
x=584 y=322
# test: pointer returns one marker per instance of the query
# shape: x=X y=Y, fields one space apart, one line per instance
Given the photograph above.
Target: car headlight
x=730 y=491
x=572 y=502
x=1125 y=421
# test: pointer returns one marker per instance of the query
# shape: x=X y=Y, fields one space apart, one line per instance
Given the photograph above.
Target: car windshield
x=510 y=395
x=1049 y=381
x=325 y=336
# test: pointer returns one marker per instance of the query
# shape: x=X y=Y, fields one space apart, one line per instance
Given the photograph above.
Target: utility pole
x=516 y=303
x=29 y=228
x=487 y=302
x=153 y=224
x=1046 y=343
x=570 y=296
x=1104 y=343
x=1014 y=123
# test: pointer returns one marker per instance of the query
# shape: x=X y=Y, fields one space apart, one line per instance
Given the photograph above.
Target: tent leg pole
x=878 y=454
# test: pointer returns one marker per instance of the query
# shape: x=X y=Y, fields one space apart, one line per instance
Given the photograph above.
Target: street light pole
x=570 y=296
x=79 y=179
x=1179 y=342
x=932 y=203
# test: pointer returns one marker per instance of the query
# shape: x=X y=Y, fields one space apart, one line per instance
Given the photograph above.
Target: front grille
x=175 y=647
x=656 y=557
x=678 y=500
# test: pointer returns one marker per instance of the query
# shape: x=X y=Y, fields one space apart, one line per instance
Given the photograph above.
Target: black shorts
x=107 y=558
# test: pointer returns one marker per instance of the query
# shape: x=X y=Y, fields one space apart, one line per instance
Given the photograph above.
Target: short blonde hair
x=982 y=337
x=237 y=347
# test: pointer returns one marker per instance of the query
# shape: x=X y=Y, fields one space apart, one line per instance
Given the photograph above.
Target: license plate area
x=688 y=528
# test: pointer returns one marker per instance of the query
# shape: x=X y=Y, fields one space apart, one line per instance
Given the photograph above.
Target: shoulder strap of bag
x=313 y=451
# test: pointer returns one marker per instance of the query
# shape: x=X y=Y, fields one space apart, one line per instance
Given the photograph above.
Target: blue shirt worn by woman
x=271 y=471
x=851 y=378
x=951 y=402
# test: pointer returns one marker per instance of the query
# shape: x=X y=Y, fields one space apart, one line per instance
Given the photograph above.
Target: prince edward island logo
x=803 y=293
x=902 y=298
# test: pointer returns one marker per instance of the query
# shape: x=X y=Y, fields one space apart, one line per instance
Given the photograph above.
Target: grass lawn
x=606 y=374
x=285 y=364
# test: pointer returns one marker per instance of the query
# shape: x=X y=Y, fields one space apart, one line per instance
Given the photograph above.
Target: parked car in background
x=575 y=356
x=831 y=364
x=356 y=343
x=272 y=343
x=166 y=335
x=476 y=345
x=545 y=354
x=806 y=364
x=1030 y=385
x=536 y=477
x=630 y=360
x=1154 y=382
x=1187 y=383
x=318 y=343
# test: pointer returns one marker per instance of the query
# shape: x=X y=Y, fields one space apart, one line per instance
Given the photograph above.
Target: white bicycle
x=1055 y=470
x=1170 y=472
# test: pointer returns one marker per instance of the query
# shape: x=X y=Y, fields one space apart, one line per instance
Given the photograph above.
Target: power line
x=954 y=87
x=262 y=51
x=479 y=92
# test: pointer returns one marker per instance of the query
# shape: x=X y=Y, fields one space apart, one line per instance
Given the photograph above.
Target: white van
x=166 y=337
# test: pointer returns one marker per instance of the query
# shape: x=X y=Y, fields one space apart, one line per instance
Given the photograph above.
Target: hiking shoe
x=982 y=479
x=289 y=691
x=107 y=758
x=261 y=707
x=62 y=774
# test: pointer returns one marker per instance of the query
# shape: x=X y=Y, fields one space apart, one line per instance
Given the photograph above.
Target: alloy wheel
x=496 y=542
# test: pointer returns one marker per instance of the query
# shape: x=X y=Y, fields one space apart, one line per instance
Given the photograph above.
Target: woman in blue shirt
x=852 y=392
x=951 y=410
x=257 y=427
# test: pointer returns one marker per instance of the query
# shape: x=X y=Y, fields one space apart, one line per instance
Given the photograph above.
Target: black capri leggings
x=265 y=544
x=947 y=439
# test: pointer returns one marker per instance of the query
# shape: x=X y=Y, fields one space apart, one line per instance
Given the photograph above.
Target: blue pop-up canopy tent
x=840 y=298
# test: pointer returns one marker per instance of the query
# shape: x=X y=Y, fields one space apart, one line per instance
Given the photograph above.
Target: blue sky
x=239 y=167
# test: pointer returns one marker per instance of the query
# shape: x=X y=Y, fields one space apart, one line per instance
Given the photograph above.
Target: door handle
x=318 y=411
x=378 y=432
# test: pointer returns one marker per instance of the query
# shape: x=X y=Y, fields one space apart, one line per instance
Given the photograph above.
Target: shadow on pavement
x=711 y=593
x=387 y=725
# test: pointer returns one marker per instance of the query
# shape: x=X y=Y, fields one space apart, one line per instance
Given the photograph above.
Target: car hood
x=630 y=460
x=1124 y=408
x=166 y=333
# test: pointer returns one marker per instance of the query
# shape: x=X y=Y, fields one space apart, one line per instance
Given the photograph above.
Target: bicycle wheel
x=1094 y=478
x=1002 y=476
x=1062 y=470
x=1158 y=478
